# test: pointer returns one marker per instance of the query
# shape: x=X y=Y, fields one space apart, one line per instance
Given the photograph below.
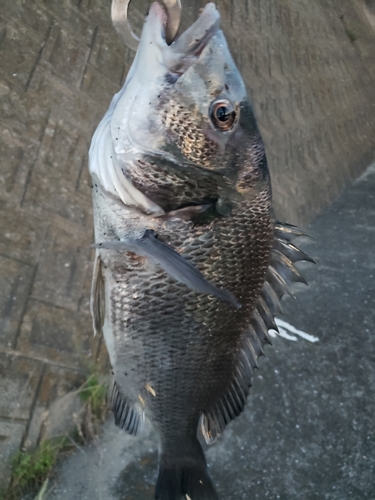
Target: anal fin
x=127 y=416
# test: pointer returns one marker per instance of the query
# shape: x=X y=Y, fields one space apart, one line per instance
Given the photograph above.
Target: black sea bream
x=190 y=265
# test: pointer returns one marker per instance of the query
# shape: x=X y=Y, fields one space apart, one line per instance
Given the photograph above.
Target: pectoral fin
x=173 y=264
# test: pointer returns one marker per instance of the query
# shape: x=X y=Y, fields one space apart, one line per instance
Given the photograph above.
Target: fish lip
x=156 y=23
x=196 y=37
x=190 y=43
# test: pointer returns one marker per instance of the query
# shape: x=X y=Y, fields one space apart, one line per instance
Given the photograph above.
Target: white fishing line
x=282 y=333
x=285 y=329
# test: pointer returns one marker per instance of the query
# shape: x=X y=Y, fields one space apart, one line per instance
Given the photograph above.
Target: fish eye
x=222 y=115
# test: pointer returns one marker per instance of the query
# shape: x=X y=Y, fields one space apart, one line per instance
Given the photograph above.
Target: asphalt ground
x=308 y=431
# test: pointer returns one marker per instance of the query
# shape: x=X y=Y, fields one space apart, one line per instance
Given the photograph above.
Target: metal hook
x=119 y=15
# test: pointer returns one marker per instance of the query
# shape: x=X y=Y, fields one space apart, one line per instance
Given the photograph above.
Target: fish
x=190 y=263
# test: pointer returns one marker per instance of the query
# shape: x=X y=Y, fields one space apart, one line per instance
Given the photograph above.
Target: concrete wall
x=310 y=70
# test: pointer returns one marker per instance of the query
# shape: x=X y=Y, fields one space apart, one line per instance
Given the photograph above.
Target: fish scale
x=170 y=187
x=190 y=264
x=228 y=271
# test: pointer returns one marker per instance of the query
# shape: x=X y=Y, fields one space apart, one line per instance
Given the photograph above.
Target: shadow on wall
x=369 y=9
x=370 y=4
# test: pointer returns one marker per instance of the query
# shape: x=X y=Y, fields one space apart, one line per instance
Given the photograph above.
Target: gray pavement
x=308 y=431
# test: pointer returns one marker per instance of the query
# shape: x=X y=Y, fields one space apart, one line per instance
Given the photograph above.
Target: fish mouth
x=133 y=117
x=180 y=54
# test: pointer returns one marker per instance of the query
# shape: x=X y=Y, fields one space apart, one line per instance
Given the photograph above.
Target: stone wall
x=310 y=70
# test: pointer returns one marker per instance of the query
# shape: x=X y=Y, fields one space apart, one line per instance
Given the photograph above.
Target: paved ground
x=309 y=430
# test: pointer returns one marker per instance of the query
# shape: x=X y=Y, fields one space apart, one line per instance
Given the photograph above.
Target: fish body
x=190 y=264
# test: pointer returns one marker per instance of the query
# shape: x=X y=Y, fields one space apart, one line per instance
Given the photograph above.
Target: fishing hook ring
x=119 y=15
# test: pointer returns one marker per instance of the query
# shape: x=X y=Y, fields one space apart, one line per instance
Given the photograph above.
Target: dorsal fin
x=280 y=275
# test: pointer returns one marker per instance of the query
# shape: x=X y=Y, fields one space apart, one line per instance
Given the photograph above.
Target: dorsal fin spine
x=280 y=274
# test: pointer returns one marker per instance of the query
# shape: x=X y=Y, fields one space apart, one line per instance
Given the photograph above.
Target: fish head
x=186 y=102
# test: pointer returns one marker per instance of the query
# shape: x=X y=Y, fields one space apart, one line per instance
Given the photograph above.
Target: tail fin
x=180 y=480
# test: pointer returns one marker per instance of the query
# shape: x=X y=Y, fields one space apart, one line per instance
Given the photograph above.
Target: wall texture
x=310 y=70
